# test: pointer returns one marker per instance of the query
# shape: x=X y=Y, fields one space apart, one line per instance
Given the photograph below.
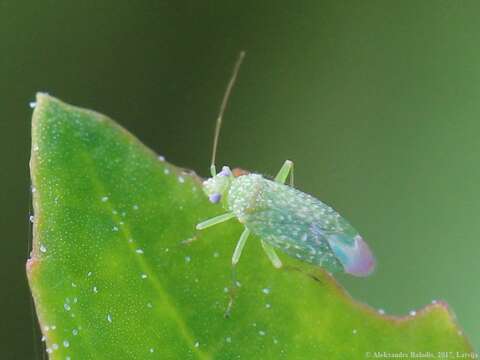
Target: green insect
x=283 y=217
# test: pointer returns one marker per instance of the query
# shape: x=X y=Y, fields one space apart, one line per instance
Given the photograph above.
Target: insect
x=283 y=217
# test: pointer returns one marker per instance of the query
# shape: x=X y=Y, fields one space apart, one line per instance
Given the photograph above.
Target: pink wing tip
x=362 y=263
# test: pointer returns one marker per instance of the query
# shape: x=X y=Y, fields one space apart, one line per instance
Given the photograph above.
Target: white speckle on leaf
x=135 y=207
x=139 y=251
x=89 y=274
x=188 y=259
x=74 y=285
x=32 y=104
x=109 y=318
x=262 y=333
x=152 y=350
x=197 y=344
x=53 y=327
x=43 y=249
x=412 y=313
x=268 y=306
x=149 y=305
x=266 y=291
x=74 y=332
x=67 y=307
x=181 y=179
x=66 y=343
x=55 y=346
x=161 y=158
x=31 y=218
x=354 y=331
x=381 y=311
x=115 y=228
x=44 y=338
x=95 y=290
x=228 y=339
x=216 y=254
x=104 y=198
x=144 y=276
x=166 y=171
x=434 y=301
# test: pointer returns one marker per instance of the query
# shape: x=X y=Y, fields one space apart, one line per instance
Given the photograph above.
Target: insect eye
x=215 y=198
x=225 y=171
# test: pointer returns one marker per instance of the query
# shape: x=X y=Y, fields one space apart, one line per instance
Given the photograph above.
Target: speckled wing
x=293 y=237
x=307 y=229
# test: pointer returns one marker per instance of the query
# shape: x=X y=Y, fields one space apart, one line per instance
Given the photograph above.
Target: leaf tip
x=41 y=101
x=41 y=98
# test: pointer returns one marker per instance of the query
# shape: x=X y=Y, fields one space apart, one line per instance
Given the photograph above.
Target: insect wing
x=295 y=238
x=308 y=229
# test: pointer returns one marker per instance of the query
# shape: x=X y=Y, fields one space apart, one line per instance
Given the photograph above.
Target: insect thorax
x=244 y=194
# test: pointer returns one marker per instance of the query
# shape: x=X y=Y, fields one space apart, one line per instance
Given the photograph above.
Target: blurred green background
x=377 y=102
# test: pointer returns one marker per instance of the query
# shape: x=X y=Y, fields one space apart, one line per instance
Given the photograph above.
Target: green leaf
x=112 y=277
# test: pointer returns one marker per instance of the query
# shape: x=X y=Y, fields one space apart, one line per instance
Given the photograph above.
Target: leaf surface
x=112 y=277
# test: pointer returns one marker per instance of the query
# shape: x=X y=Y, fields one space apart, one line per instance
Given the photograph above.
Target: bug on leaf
x=283 y=217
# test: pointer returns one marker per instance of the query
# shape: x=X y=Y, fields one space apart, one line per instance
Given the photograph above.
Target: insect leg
x=282 y=175
x=272 y=255
x=239 y=248
x=236 y=256
x=214 y=221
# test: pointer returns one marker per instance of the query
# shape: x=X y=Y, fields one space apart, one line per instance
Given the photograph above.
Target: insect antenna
x=223 y=106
